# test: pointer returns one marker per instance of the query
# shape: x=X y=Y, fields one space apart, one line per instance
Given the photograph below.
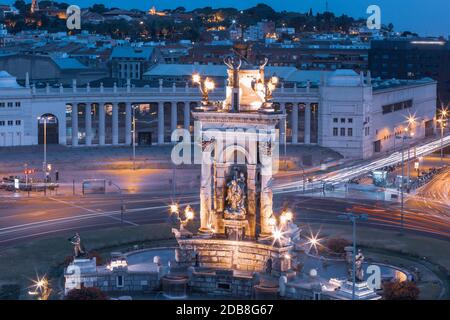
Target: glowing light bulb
x=189 y=213
x=173 y=208
x=272 y=221
x=209 y=84
x=196 y=78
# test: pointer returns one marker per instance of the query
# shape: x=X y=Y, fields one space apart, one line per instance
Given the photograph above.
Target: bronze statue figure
x=77 y=246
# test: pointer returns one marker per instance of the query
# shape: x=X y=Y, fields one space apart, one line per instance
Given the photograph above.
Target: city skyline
x=432 y=15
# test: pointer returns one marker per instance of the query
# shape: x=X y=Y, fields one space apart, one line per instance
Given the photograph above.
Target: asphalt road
x=24 y=219
x=434 y=197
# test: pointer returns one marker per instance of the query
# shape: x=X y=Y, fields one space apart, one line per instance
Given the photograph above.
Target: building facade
x=413 y=58
x=344 y=111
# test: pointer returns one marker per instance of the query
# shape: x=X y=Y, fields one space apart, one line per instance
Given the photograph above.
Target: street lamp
x=41 y=288
x=353 y=217
x=406 y=135
x=189 y=214
x=443 y=123
x=45 y=119
x=122 y=203
x=205 y=87
x=134 y=136
x=411 y=122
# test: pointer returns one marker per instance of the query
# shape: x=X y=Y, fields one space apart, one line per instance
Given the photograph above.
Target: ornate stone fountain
x=239 y=147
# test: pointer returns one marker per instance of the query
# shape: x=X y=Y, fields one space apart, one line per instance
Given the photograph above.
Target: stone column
x=266 y=205
x=101 y=124
x=295 y=123
x=187 y=115
x=128 y=123
x=251 y=198
x=173 y=116
x=74 y=124
x=266 y=210
x=308 y=123
x=88 y=123
x=160 y=122
x=283 y=125
x=115 y=123
x=205 y=193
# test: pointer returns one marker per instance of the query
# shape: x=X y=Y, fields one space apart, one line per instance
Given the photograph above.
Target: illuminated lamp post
x=404 y=137
x=45 y=167
x=205 y=87
x=41 y=288
x=353 y=218
x=188 y=214
x=443 y=123
x=411 y=123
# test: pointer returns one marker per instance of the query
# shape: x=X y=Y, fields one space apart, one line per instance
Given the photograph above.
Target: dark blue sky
x=427 y=17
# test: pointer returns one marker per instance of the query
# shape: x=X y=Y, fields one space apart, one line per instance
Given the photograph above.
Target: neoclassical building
x=348 y=112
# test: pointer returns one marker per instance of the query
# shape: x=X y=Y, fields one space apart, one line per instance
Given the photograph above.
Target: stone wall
x=227 y=254
x=222 y=283
x=142 y=281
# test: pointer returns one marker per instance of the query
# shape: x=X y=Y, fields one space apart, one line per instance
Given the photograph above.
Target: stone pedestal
x=236 y=255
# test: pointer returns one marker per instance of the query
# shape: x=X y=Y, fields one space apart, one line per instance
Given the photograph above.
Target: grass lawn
x=417 y=245
x=406 y=250
x=19 y=264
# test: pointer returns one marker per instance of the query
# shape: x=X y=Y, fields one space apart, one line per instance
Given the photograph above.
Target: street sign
x=94 y=186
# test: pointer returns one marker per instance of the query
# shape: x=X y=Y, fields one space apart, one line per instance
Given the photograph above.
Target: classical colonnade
x=88 y=107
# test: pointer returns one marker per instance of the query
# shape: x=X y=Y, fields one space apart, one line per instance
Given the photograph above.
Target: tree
x=337 y=245
x=179 y=10
x=86 y=294
x=21 y=6
x=390 y=27
x=98 y=8
x=10 y=292
x=396 y=290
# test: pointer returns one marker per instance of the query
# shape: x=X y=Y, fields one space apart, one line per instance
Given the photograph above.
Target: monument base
x=235 y=255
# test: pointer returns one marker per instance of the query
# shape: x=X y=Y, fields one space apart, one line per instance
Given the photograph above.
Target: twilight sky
x=426 y=17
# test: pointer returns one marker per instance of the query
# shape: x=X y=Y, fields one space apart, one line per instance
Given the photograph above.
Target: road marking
x=93 y=211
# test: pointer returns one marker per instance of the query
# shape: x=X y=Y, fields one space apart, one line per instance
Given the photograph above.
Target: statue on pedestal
x=359 y=272
x=77 y=246
x=236 y=198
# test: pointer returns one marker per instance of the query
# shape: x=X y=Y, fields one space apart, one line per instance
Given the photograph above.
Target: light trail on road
x=346 y=174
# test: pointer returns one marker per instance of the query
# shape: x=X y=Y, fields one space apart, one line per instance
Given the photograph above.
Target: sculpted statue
x=236 y=196
x=359 y=272
x=359 y=266
x=77 y=246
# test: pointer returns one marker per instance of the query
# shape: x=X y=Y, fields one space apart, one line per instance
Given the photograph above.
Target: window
x=119 y=281
x=387 y=109
x=17 y=104
x=342 y=120
x=10 y=122
x=2 y=123
x=335 y=132
x=342 y=132
x=350 y=132
x=18 y=122
x=2 y=104
x=10 y=104
x=350 y=120
x=335 y=120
